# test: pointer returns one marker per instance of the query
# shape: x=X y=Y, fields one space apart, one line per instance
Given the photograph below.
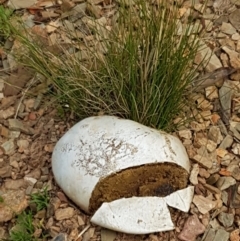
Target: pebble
x=215 y=135
x=234 y=18
x=16 y=202
x=194 y=173
x=225 y=182
x=221 y=235
x=227 y=142
x=203 y=161
x=17 y=125
x=8 y=147
x=64 y=213
x=227 y=28
x=203 y=204
x=192 y=228
x=226 y=219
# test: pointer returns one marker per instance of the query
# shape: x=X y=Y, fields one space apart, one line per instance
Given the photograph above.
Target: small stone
x=30 y=180
x=8 y=147
x=227 y=142
x=14 y=184
x=209 y=235
x=187 y=134
x=236 y=148
x=215 y=135
x=4 y=132
x=226 y=219
x=22 y=145
x=234 y=18
x=194 y=173
x=5 y=114
x=225 y=182
x=236 y=36
x=221 y=152
x=192 y=228
x=233 y=55
x=80 y=220
x=236 y=173
x=5 y=171
x=17 y=125
x=228 y=28
x=36 y=174
x=203 y=161
x=221 y=235
x=211 y=92
x=204 y=173
x=203 y=204
x=16 y=202
x=212 y=188
x=235 y=235
x=64 y=213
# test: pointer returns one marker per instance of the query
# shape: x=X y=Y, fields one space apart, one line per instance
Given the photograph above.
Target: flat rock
x=16 y=4
x=14 y=184
x=203 y=204
x=225 y=182
x=16 y=202
x=5 y=171
x=226 y=219
x=204 y=54
x=227 y=142
x=203 y=161
x=228 y=28
x=234 y=18
x=8 y=147
x=221 y=235
x=215 y=135
x=235 y=235
x=17 y=125
x=233 y=55
x=194 y=173
x=192 y=228
x=64 y=213
x=209 y=235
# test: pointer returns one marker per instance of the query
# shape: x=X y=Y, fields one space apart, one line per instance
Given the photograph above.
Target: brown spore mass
x=158 y=179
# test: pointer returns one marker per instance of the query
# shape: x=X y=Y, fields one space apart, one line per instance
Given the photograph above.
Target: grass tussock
x=139 y=69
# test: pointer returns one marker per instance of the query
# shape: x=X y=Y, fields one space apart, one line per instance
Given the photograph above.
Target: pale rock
x=14 y=184
x=206 y=114
x=236 y=148
x=206 y=54
x=30 y=180
x=187 y=134
x=209 y=234
x=215 y=135
x=64 y=213
x=226 y=219
x=214 y=223
x=5 y=171
x=236 y=172
x=36 y=174
x=194 y=173
x=227 y=142
x=211 y=188
x=22 y=145
x=228 y=28
x=14 y=164
x=221 y=235
x=16 y=4
x=211 y=92
x=225 y=182
x=229 y=43
x=203 y=161
x=204 y=173
x=233 y=55
x=203 y=204
x=234 y=18
x=192 y=228
x=29 y=104
x=17 y=125
x=81 y=221
x=16 y=202
x=221 y=152
x=238 y=46
x=9 y=112
x=211 y=146
x=236 y=36
x=8 y=147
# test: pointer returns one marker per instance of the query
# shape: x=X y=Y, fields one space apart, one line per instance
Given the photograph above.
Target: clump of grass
x=5 y=31
x=139 y=70
x=24 y=228
x=41 y=199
